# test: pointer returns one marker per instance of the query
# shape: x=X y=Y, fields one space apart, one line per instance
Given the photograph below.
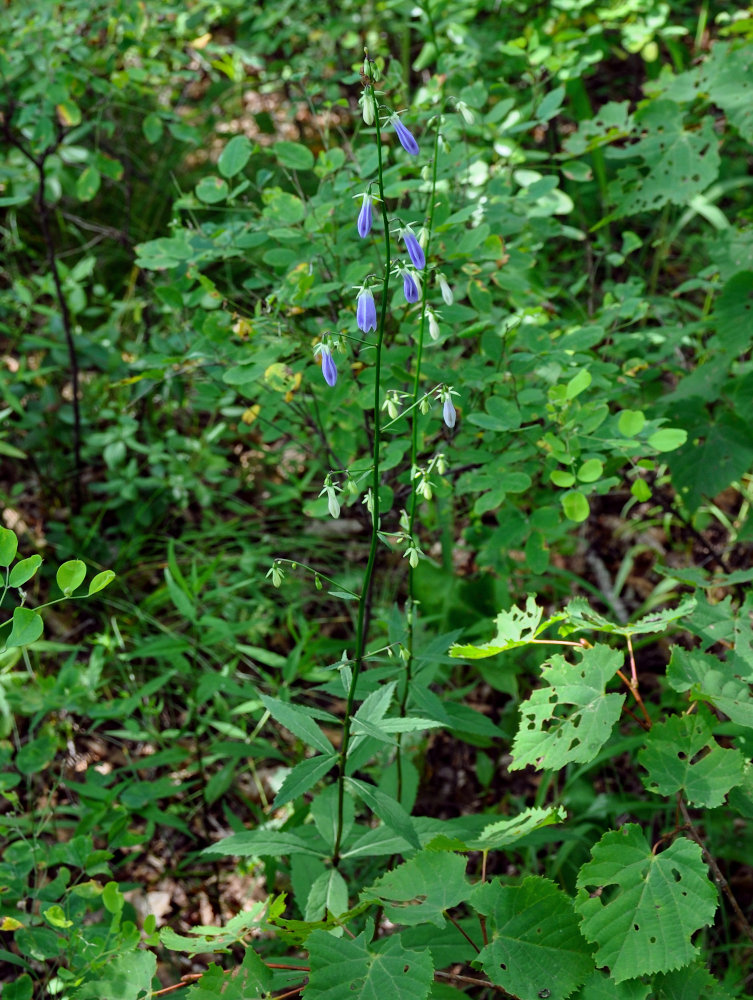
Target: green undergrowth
x=424 y=662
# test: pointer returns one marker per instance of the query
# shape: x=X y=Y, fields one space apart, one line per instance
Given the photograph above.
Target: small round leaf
x=8 y=546
x=591 y=470
x=575 y=506
x=100 y=581
x=27 y=628
x=24 y=571
x=71 y=575
x=668 y=438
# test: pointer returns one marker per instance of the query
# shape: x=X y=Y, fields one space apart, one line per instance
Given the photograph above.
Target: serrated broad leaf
x=505 y=832
x=580 y=614
x=694 y=982
x=641 y=908
x=676 y=163
x=600 y=986
x=536 y=948
x=516 y=627
x=299 y=722
x=571 y=718
x=348 y=967
x=422 y=888
x=712 y=680
x=681 y=754
x=251 y=979
x=123 y=977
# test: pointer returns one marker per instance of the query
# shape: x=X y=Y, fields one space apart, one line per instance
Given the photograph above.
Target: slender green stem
x=368 y=575
x=413 y=463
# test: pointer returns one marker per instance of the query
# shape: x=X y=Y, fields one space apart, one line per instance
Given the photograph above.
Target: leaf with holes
x=581 y=615
x=676 y=163
x=641 y=908
x=341 y=967
x=681 y=754
x=725 y=78
x=422 y=889
x=536 y=949
x=571 y=718
x=505 y=832
x=516 y=627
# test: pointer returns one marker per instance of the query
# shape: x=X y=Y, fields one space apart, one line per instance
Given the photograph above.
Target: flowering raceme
x=365 y=217
x=407 y=141
x=366 y=310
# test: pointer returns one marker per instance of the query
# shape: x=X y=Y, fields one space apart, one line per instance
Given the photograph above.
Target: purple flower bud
x=414 y=249
x=365 y=217
x=366 y=310
x=407 y=141
x=448 y=412
x=410 y=288
x=329 y=368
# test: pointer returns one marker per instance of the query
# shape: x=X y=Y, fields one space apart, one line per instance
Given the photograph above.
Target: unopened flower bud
x=367 y=108
x=445 y=289
x=433 y=325
x=465 y=112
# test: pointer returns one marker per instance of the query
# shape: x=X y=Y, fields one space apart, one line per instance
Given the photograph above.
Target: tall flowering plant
x=405 y=253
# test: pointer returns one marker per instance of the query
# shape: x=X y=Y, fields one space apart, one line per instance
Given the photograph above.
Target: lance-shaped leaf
x=536 y=949
x=272 y=843
x=681 y=754
x=571 y=718
x=341 y=967
x=304 y=776
x=641 y=908
x=422 y=888
x=387 y=809
x=299 y=722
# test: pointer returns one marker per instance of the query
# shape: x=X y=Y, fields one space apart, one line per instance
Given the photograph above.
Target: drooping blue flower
x=329 y=368
x=415 y=250
x=407 y=141
x=448 y=412
x=366 y=310
x=410 y=288
x=365 y=217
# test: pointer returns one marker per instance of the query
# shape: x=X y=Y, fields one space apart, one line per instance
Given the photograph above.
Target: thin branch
x=468 y=938
x=44 y=220
x=639 y=701
x=719 y=878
